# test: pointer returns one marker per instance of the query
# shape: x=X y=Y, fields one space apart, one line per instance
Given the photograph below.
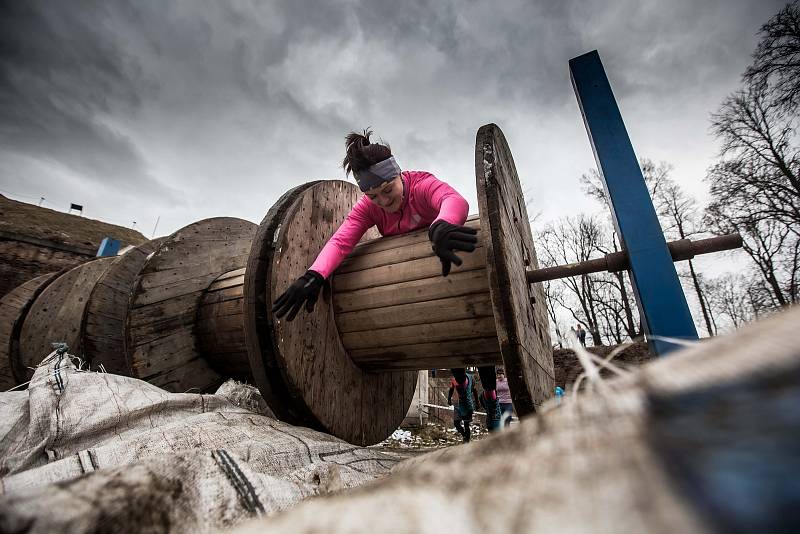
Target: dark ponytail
x=361 y=154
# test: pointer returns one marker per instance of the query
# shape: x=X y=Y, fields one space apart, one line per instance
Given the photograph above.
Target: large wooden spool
x=168 y=299
x=59 y=314
x=84 y=307
x=301 y=367
x=14 y=307
x=350 y=364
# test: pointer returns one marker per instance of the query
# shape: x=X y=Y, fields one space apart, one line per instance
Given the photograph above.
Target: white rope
x=450 y=408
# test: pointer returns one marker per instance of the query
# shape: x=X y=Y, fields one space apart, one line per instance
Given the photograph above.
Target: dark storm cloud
x=61 y=72
x=220 y=106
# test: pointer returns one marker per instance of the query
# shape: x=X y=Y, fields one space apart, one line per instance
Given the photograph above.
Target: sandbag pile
x=90 y=452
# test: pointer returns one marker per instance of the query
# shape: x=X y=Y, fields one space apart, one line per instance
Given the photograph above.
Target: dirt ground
x=433 y=436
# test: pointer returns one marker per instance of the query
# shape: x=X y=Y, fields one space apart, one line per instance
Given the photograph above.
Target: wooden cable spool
x=85 y=307
x=14 y=307
x=349 y=367
x=301 y=367
x=59 y=314
x=170 y=308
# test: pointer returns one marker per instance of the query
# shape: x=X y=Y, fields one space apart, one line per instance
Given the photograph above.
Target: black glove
x=303 y=290
x=448 y=237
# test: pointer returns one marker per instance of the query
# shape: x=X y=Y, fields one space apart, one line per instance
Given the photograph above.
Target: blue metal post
x=662 y=304
x=108 y=247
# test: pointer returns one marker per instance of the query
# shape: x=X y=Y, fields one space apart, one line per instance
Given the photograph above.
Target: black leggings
x=487 y=374
x=463 y=429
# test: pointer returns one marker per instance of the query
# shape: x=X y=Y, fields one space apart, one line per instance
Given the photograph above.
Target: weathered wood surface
x=302 y=366
x=394 y=309
x=161 y=323
x=14 y=307
x=258 y=297
x=519 y=307
x=107 y=309
x=220 y=327
x=649 y=452
x=58 y=314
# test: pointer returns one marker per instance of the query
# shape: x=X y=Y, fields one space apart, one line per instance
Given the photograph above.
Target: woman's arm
x=305 y=290
x=446 y=232
x=341 y=243
x=443 y=199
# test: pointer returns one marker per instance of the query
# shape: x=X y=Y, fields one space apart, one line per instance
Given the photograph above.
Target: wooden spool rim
x=257 y=325
x=69 y=292
x=313 y=383
x=512 y=318
x=12 y=371
x=120 y=274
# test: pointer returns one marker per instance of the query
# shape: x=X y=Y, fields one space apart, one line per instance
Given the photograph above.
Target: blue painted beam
x=108 y=247
x=662 y=304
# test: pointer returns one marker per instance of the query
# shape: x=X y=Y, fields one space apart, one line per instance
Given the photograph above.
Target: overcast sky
x=185 y=110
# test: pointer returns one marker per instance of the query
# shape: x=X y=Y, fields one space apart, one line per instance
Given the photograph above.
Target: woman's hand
x=446 y=238
x=303 y=290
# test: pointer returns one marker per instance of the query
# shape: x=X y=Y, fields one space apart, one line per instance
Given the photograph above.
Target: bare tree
x=573 y=240
x=599 y=301
x=734 y=298
x=755 y=188
x=620 y=291
x=776 y=61
x=553 y=293
x=758 y=173
x=679 y=218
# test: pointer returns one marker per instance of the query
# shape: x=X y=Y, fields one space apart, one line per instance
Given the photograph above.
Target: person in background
x=464 y=407
x=504 y=397
x=581 y=334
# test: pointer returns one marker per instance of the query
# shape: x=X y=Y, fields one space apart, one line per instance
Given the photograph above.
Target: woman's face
x=388 y=196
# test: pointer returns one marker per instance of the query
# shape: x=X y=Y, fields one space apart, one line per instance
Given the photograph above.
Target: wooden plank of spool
x=58 y=314
x=220 y=327
x=161 y=324
x=415 y=318
x=14 y=307
x=104 y=327
x=301 y=367
x=519 y=307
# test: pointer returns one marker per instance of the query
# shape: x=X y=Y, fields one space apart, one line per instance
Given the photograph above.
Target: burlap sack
x=90 y=452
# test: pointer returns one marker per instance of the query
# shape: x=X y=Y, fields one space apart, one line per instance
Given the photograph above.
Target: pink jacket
x=426 y=199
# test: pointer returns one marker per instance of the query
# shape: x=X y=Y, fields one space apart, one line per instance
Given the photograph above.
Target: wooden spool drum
x=181 y=299
x=349 y=367
x=85 y=308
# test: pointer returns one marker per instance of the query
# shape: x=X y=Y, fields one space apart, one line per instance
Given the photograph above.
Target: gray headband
x=382 y=172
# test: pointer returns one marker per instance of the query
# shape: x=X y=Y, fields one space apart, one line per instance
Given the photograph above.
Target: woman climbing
x=396 y=202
